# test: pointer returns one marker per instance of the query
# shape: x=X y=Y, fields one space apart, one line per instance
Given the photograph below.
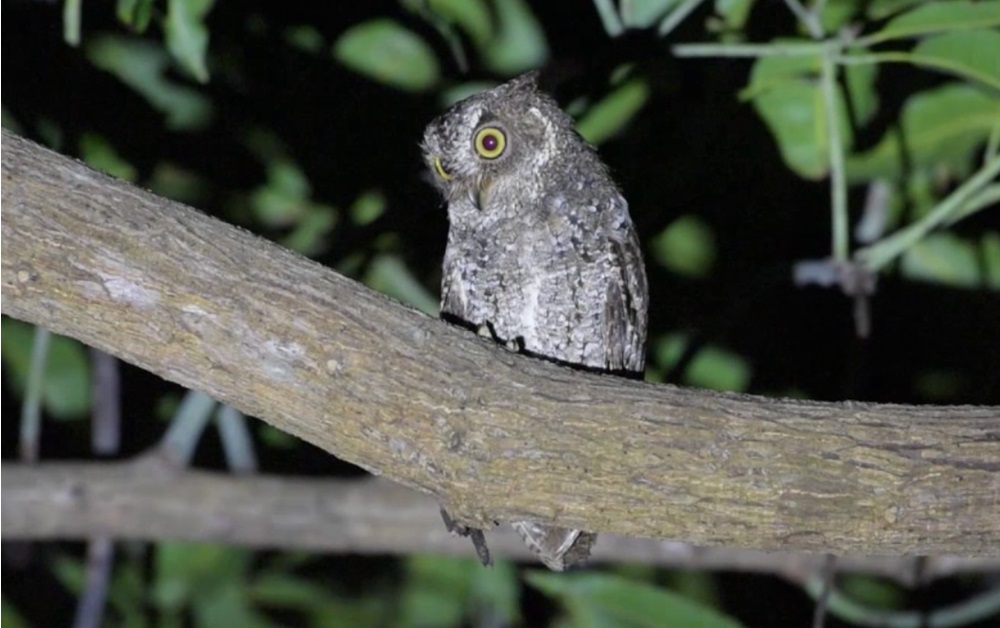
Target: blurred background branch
x=150 y=499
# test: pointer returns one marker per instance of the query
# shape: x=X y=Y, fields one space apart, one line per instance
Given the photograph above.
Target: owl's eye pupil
x=490 y=142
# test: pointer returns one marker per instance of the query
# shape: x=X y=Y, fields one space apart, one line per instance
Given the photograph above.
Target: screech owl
x=541 y=249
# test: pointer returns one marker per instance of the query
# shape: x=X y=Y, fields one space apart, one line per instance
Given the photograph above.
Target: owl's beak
x=479 y=192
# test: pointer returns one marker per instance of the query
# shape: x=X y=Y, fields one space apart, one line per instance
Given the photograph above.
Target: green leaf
x=687 y=247
x=697 y=586
x=936 y=386
x=787 y=94
x=141 y=65
x=100 y=154
x=69 y=572
x=472 y=16
x=711 y=367
x=172 y=181
x=860 y=81
x=389 y=53
x=596 y=599
x=609 y=116
x=734 y=13
x=941 y=16
x=991 y=259
x=942 y=127
x=495 y=592
x=187 y=35
x=304 y=37
x=9 y=122
x=186 y=571
x=881 y=9
x=795 y=116
x=71 y=21
x=368 y=207
x=10 y=617
x=519 y=44
x=282 y=200
x=943 y=258
x=874 y=593
x=436 y=592
x=66 y=391
x=50 y=133
x=134 y=13
x=718 y=369
x=273 y=437
x=354 y=610
x=645 y=13
x=610 y=18
x=974 y=55
x=837 y=13
x=453 y=94
x=228 y=605
x=310 y=234
x=388 y=274
x=288 y=591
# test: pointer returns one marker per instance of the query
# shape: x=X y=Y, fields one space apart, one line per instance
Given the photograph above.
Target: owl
x=541 y=249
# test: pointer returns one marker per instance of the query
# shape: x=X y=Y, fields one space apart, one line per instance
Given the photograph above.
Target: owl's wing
x=627 y=299
x=454 y=304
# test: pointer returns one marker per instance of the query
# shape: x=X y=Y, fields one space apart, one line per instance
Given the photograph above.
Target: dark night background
x=693 y=148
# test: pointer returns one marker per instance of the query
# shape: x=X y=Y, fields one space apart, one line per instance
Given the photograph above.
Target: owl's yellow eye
x=490 y=142
x=439 y=169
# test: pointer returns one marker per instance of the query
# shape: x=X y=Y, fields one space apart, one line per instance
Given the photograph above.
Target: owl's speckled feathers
x=541 y=248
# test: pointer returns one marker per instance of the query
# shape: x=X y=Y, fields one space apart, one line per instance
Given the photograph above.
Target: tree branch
x=150 y=500
x=493 y=435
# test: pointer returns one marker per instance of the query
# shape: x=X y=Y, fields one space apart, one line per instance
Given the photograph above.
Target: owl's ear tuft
x=527 y=82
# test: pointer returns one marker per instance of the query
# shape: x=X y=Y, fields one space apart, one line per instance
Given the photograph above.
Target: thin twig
x=784 y=49
x=977 y=608
x=809 y=17
x=31 y=410
x=883 y=252
x=151 y=500
x=675 y=17
x=827 y=572
x=838 y=180
x=105 y=432
x=609 y=17
x=186 y=427
x=236 y=440
x=90 y=608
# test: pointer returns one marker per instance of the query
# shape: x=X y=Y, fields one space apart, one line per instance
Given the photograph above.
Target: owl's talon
x=475 y=535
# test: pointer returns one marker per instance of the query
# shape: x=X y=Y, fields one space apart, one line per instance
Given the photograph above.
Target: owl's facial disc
x=467 y=148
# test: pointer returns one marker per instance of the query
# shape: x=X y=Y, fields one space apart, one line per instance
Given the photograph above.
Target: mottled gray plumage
x=541 y=248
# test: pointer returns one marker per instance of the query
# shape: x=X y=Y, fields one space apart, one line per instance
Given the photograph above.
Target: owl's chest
x=521 y=282
x=491 y=270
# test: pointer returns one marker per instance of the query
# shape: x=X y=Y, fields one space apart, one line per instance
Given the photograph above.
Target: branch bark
x=491 y=434
x=148 y=499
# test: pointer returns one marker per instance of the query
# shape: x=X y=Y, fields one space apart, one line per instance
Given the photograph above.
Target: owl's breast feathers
x=562 y=274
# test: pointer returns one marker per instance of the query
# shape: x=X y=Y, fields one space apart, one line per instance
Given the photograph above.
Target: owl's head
x=510 y=130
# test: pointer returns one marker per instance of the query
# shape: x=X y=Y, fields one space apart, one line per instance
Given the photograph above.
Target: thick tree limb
x=147 y=500
x=491 y=434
